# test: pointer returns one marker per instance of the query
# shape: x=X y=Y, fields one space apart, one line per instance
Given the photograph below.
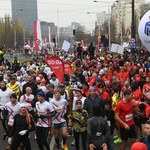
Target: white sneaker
x=73 y=143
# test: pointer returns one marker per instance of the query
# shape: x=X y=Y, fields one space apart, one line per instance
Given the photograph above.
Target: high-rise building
x=122 y=15
x=102 y=17
x=25 y=11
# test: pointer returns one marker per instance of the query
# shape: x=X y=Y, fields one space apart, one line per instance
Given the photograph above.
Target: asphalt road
x=3 y=143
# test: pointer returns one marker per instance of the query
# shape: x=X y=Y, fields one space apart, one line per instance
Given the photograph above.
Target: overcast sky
x=65 y=11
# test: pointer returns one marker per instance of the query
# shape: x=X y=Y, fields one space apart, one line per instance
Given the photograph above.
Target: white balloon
x=144 y=30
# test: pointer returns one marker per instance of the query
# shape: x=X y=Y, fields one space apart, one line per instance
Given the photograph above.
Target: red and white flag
x=37 y=35
x=57 y=66
x=68 y=69
x=49 y=34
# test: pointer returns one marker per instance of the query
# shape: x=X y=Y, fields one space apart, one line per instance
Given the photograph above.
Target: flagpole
x=57 y=28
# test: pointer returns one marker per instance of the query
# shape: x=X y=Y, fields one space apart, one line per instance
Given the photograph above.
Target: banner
x=68 y=69
x=66 y=45
x=37 y=35
x=117 y=48
x=57 y=66
x=144 y=30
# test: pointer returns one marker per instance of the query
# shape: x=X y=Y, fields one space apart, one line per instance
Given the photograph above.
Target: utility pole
x=133 y=22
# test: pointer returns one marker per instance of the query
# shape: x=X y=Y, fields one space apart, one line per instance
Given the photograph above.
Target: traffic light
x=54 y=40
x=102 y=38
x=74 y=32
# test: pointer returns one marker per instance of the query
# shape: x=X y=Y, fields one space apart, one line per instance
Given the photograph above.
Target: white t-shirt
x=59 y=105
x=56 y=82
x=12 y=111
x=44 y=108
x=27 y=100
x=5 y=96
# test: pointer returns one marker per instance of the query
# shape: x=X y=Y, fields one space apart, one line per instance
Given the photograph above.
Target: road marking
x=52 y=143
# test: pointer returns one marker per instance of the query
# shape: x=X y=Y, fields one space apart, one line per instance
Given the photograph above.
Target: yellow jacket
x=15 y=88
x=115 y=100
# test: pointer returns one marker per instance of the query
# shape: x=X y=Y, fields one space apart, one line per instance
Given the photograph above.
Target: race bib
x=109 y=123
x=129 y=117
x=30 y=108
x=98 y=134
x=11 y=122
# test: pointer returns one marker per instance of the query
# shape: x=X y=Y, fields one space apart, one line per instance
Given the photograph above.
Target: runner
x=44 y=112
x=97 y=130
x=11 y=109
x=5 y=94
x=78 y=121
x=23 y=124
x=124 y=115
x=59 y=122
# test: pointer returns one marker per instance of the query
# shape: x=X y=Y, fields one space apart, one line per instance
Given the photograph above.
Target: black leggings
x=42 y=134
x=4 y=125
x=83 y=136
x=18 y=139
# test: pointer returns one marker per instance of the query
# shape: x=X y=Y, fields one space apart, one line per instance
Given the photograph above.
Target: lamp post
x=133 y=22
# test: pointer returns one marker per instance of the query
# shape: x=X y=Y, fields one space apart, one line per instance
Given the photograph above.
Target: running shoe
x=65 y=147
x=116 y=137
x=117 y=141
x=73 y=143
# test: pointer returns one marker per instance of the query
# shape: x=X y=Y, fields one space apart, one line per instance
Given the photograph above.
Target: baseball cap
x=78 y=102
x=139 y=146
x=41 y=93
x=98 y=79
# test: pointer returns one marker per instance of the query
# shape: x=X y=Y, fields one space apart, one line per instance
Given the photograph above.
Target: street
x=3 y=143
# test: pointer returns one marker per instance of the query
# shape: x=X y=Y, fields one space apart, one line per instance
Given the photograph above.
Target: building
x=44 y=30
x=102 y=17
x=25 y=11
x=121 y=13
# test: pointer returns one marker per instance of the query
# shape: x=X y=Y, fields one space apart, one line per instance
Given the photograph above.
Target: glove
x=23 y=132
x=9 y=140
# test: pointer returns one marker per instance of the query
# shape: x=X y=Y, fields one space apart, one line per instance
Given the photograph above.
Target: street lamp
x=95 y=24
x=133 y=22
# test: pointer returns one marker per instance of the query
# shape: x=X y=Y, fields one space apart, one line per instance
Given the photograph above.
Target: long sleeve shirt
x=20 y=123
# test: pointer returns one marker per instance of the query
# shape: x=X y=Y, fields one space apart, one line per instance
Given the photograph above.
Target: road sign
x=38 y=42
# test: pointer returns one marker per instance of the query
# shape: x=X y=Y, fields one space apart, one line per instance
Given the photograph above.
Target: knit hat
x=41 y=93
x=139 y=146
x=22 y=105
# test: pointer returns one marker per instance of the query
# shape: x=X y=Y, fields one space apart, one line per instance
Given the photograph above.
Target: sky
x=63 y=12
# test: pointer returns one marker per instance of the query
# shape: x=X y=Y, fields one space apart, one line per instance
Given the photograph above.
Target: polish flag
x=49 y=34
x=37 y=35
x=29 y=43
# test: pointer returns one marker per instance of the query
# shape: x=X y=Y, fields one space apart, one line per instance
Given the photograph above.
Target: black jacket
x=89 y=104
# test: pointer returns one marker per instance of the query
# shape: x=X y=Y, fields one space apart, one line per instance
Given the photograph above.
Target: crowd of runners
x=106 y=101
